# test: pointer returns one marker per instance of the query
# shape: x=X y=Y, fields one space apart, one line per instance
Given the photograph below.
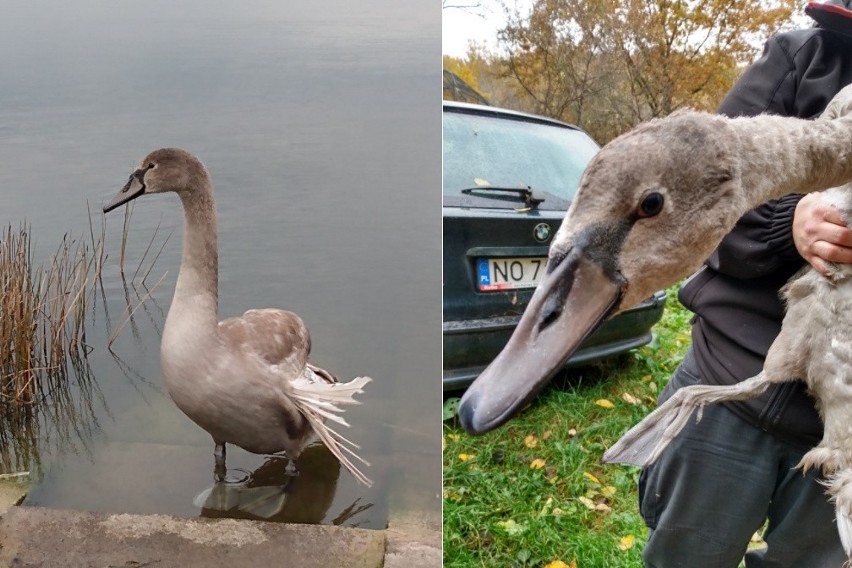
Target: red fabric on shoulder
x=831 y=14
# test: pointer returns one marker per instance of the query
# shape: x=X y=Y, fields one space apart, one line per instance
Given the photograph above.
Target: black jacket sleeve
x=761 y=243
x=768 y=85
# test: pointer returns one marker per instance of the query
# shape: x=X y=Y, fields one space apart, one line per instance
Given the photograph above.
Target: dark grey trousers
x=717 y=483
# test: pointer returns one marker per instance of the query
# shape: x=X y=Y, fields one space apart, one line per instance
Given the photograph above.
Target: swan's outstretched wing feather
x=319 y=401
x=644 y=443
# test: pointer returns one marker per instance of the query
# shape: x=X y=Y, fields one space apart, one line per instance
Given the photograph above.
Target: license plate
x=510 y=273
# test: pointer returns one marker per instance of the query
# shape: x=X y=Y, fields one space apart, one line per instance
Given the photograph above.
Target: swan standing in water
x=245 y=380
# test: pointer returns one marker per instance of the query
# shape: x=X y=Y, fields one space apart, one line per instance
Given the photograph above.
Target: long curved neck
x=783 y=156
x=196 y=299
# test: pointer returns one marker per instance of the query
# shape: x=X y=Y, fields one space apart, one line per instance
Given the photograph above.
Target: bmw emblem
x=541 y=232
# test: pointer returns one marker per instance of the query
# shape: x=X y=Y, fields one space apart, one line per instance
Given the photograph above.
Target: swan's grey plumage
x=618 y=246
x=246 y=380
x=613 y=249
x=815 y=346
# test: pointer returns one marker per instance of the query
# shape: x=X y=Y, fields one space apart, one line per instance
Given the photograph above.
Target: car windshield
x=483 y=153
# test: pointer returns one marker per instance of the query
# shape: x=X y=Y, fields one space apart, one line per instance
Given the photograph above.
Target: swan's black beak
x=575 y=295
x=134 y=187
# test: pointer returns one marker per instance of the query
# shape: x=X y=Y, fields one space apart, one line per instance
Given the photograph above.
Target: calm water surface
x=319 y=123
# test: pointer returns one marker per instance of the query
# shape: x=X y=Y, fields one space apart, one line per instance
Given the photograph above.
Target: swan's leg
x=219 y=471
x=291 y=468
x=644 y=443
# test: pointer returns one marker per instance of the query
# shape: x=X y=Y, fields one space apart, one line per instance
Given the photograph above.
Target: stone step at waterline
x=36 y=536
x=47 y=538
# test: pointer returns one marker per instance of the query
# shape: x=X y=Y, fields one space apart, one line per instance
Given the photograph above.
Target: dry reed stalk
x=132 y=311
x=128 y=211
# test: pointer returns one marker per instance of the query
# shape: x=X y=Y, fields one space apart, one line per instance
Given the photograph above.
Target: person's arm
x=761 y=242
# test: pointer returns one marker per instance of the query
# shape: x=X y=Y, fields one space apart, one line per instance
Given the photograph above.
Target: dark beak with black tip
x=134 y=187
x=575 y=295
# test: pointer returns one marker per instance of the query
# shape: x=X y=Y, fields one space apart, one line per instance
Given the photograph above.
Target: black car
x=508 y=179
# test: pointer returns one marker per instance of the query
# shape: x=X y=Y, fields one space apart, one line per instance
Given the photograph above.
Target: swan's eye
x=150 y=165
x=651 y=204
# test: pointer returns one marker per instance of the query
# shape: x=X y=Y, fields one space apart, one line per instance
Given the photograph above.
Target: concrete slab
x=12 y=491
x=414 y=540
x=34 y=536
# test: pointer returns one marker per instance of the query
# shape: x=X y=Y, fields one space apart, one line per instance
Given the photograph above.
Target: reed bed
x=47 y=388
x=42 y=315
x=43 y=312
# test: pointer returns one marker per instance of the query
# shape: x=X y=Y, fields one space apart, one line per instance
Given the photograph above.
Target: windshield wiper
x=531 y=197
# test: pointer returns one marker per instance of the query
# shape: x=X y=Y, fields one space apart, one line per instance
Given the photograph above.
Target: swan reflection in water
x=270 y=493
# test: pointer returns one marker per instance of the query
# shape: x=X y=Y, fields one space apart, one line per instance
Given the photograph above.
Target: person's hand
x=820 y=233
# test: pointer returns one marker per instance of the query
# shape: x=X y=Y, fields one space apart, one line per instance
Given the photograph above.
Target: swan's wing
x=319 y=401
x=645 y=442
x=278 y=337
x=281 y=339
x=320 y=374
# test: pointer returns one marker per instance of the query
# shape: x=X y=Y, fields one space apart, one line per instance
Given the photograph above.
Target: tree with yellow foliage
x=607 y=65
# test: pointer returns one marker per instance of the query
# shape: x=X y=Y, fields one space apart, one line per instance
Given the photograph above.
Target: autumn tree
x=486 y=73
x=607 y=65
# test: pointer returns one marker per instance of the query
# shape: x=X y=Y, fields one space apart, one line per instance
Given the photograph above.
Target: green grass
x=534 y=493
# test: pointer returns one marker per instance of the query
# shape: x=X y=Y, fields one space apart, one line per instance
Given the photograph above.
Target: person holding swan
x=733 y=471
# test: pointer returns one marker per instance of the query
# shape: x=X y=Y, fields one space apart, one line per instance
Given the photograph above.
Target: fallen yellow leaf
x=627 y=542
x=546 y=434
x=608 y=491
x=454 y=437
x=512 y=527
x=452 y=495
x=548 y=505
x=537 y=463
x=466 y=457
x=572 y=432
x=559 y=564
x=530 y=441
x=591 y=478
x=591 y=505
x=604 y=403
x=587 y=502
x=630 y=399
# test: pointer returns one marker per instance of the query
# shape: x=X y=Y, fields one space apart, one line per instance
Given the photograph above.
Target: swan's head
x=166 y=169
x=652 y=205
